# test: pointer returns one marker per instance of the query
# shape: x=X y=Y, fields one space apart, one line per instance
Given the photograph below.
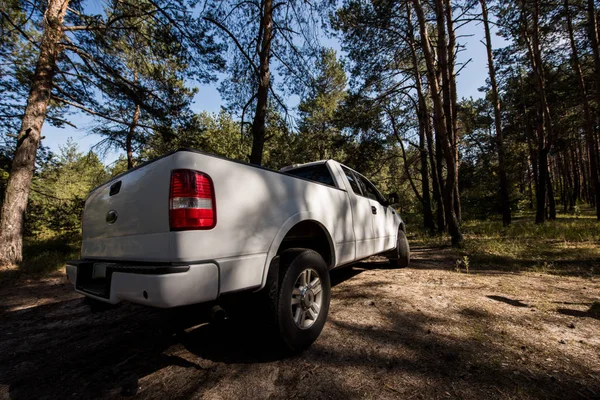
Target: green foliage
x=59 y=190
x=319 y=138
x=19 y=35
x=141 y=70
x=293 y=48
x=566 y=246
x=221 y=134
x=43 y=256
x=214 y=133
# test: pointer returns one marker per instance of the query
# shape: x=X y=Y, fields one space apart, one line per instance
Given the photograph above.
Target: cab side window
x=370 y=190
x=352 y=179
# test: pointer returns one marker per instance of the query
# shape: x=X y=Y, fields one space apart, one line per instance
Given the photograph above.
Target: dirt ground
x=421 y=332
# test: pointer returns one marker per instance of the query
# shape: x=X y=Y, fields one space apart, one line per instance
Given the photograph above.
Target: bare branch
x=92 y=112
x=237 y=43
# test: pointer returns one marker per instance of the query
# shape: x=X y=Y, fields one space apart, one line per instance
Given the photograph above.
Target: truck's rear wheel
x=300 y=302
x=400 y=256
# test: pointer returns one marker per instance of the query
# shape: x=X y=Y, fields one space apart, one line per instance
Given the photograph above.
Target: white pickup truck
x=189 y=227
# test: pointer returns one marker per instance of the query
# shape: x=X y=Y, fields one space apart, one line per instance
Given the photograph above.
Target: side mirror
x=393 y=198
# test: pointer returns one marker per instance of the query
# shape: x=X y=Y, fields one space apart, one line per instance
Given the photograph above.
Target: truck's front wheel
x=300 y=302
x=400 y=256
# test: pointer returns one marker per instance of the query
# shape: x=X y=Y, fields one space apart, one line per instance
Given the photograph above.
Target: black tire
x=400 y=256
x=289 y=265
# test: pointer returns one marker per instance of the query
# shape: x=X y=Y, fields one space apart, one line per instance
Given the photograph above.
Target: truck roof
x=294 y=166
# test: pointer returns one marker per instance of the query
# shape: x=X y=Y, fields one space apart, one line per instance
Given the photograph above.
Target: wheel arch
x=299 y=228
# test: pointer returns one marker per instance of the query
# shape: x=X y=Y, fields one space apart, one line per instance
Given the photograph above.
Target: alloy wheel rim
x=307 y=298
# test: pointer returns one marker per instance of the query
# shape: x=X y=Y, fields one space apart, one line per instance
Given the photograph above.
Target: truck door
x=361 y=215
x=382 y=216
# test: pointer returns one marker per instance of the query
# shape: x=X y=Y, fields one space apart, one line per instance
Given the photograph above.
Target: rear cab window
x=354 y=184
x=316 y=173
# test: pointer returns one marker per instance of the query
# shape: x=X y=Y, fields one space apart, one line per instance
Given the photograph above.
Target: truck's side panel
x=383 y=227
x=253 y=205
x=362 y=216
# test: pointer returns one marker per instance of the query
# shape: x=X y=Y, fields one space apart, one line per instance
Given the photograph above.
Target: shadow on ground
x=62 y=350
x=593 y=312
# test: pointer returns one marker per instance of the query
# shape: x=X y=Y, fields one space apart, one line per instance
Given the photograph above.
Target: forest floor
x=427 y=331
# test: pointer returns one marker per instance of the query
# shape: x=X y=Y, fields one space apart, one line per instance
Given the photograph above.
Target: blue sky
x=471 y=78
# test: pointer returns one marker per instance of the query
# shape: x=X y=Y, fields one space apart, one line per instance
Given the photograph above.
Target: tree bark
x=405 y=162
x=423 y=117
x=28 y=140
x=540 y=190
x=504 y=196
x=440 y=126
x=264 y=82
x=130 y=133
x=551 y=198
x=427 y=211
x=453 y=100
x=583 y=170
x=576 y=195
x=592 y=142
x=545 y=127
x=439 y=163
x=444 y=62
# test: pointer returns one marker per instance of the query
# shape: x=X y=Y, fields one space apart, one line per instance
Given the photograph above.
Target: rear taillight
x=191 y=201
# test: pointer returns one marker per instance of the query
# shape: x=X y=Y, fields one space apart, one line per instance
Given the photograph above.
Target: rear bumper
x=162 y=286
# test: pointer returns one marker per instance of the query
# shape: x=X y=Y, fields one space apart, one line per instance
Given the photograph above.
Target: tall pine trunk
x=504 y=197
x=451 y=60
x=130 y=133
x=427 y=211
x=551 y=199
x=439 y=163
x=545 y=127
x=440 y=127
x=541 y=181
x=264 y=82
x=28 y=140
x=592 y=141
x=423 y=116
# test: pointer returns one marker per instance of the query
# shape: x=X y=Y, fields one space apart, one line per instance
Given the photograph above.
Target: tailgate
x=128 y=217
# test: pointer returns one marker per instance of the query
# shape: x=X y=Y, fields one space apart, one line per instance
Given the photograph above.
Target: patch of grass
x=43 y=256
x=570 y=245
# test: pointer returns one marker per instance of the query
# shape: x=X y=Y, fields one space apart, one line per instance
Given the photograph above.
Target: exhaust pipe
x=218 y=314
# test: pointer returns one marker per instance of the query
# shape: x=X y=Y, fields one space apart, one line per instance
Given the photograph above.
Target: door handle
x=373 y=210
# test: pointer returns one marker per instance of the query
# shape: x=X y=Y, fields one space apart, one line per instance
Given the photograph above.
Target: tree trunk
x=540 y=189
x=440 y=126
x=264 y=82
x=545 y=127
x=551 y=199
x=441 y=212
x=23 y=164
x=452 y=199
x=592 y=142
x=565 y=182
x=423 y=116
x=530 y=185
x=453 y=100
x=129 y=140
x=427 y=212
x=504 y=197
x=575 y=195
x=583 y=170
